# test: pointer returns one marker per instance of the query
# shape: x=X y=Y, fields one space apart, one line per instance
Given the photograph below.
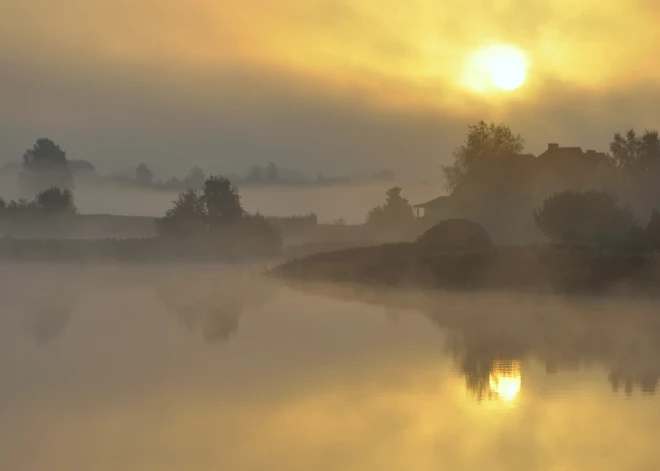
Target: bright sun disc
x=505 y=67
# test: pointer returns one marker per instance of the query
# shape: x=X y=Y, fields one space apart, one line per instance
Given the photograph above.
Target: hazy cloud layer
x=332 y=86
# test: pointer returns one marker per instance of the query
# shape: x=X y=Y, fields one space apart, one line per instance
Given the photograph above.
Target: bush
x=394 y=214
x=585 y=217
x=55 y=200
x=456 y=235
x=51 y=201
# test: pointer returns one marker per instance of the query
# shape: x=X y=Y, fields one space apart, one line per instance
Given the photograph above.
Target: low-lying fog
x=152 y=368
x=350 y=202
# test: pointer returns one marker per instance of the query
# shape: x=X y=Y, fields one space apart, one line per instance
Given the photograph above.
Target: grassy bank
x=540 y=268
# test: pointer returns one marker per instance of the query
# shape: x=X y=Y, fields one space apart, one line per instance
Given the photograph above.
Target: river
x=188 y=368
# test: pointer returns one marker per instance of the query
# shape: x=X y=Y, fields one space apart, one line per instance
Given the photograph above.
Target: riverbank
x=542 y=268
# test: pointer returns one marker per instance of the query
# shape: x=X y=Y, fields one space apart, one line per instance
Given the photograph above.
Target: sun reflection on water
x=505 y=380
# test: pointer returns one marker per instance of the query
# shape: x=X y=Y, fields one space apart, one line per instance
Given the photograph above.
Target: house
x=437 y=209
x=533 y=177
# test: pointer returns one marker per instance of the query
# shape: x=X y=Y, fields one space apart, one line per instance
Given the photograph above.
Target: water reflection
x=212 y=301
x=491 y=335
x=505 y=380
x=322 y=383
x=48 y=303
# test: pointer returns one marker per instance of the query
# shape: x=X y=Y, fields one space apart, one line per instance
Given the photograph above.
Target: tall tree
x=45 y=166
x=144 y=176
x=485 y=143
x=635 y=156
x=195 y=178
x=221 y=200
x=395 y=213
x=55 y=200
x=271 y=173
x=255 y=175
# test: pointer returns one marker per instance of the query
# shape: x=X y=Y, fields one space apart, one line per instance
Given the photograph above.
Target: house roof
x=435 y=203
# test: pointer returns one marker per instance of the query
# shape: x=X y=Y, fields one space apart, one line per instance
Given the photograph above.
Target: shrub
x=585 y=217
x=456 y=235
x=55 y=200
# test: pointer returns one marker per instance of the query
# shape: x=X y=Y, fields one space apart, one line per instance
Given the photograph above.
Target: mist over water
x=189 y=367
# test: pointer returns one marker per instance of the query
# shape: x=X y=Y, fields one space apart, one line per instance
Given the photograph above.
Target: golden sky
x=396 y=57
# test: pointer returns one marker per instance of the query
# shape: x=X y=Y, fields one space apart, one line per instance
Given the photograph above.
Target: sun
x=503 y=67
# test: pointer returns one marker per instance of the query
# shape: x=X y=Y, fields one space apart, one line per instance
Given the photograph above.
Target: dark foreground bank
x=539 y=268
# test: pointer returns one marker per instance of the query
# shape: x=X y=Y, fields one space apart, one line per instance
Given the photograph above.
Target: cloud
x=332 y=85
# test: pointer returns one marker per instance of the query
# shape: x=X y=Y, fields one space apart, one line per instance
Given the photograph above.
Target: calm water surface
x=140 y=369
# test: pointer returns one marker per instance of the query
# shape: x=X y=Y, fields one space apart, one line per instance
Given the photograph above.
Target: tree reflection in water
x=48 y=307
x=212 y=301
x=491 y=335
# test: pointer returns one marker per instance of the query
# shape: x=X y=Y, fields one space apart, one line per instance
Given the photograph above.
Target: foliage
x=396 y=212
x=215 y=213
x=186 y=216
x=144 y=176
x=255 y=175
x=635 y=155
x=584 y=217
x=55 y=200
x=455 y=235
x=271 y=173
x=45 y=166
x=217 y=204
x=221 y=201
x=484 y=143
x=195 y=178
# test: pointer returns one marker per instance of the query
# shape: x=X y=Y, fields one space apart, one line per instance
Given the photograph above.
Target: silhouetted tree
x=22 y=206
x=186 y=216
x=221 y=201
x=45 y=166
x=484 y=143
x=396 y=212
x=216 y=215
x=195 y=178
x=144 y=176
x=636 y=155
x=585 y=217
x=255 y=175
x=271 y=173
x=55 y=200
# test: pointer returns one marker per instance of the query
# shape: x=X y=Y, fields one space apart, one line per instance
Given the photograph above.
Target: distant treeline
x=45 y=165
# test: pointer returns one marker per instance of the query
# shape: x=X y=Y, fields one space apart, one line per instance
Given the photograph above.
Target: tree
x=186 y=216
x=485 y=143
x=55 y=200
x=255 y=175
x=143 y=176
x=271 y=173
x=396 y=212
x=195 y=178
x=635 y=155
x=216 y=205
x=221 y=201
x=216 y=215
x=45 y=166
x=585 y=217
